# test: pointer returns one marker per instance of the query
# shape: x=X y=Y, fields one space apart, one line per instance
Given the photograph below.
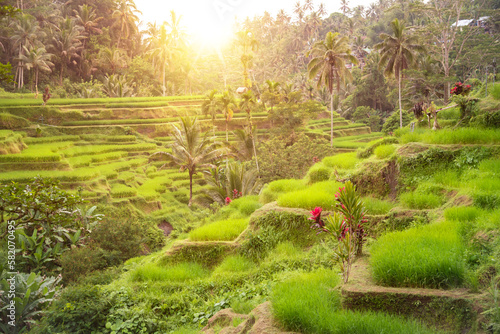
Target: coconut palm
x=66 y=44
x=87 y=18
x=247 y=103
x=211 y=107
x=226 y=103
x=224 y=181
x=112 y=58
x=246 y=40
x=26 y=34
x=328 y=65
x=397 y=54
x=191 y=150
x=161 y=51
x=38 y=59
x=125 y=16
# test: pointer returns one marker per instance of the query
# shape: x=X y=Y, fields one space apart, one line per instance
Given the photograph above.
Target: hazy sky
x=212 y=19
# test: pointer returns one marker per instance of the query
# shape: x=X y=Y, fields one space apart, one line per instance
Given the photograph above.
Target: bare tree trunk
x=331 y=119
x=190 y=188
x=400 y=108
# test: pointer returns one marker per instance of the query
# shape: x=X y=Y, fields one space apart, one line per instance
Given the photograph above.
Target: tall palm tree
x=125 y=16
x=329 y=65
x=112 y=58
x=26 y=34
x=38 y=59
x=247 y=103
x=87 y=18
x=66 y=44
x=162 y=51
x=344 y=6
x=397 y=54
x=226 y=103
x=211 y=107
x=177 y=32
x=191 y=150
x=246 y=40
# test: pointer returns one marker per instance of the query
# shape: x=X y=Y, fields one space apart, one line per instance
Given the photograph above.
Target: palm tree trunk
x=190 y=188
x=400 y=109
x=164 y=88
x=227 y=140
x=331 y=119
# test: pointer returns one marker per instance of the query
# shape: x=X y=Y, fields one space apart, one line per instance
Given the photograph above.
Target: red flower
x=316 y=216
x=228 y=200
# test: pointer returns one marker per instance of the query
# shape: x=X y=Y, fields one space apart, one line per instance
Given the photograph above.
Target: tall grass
x=37 y=153
x=86 y=160
x=463 y=213
x=224 y=230
x=426 y=256
x=41 y=140
x=420 y=201
x=246 y=204
x=64 y=176
x=458 y=136
x=308 y=303
x=99 y=149
x=384 y=151
x=342 y=161
x=494 y=90
x=178 y=273
x=375 y=206
x=319 y=194
x=234 y=263
x=447 y=177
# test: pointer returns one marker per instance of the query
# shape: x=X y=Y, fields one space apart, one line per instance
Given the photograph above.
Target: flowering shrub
x=460 y=89
x=228 y=201
x=346 y=226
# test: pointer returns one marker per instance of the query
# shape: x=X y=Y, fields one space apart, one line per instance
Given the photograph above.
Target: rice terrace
x=249 y=167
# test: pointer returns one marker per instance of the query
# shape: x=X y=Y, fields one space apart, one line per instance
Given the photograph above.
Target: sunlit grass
x=234 y=263
x=457 y=136
x=342 y=161
x=120 y=191
x=178 y=273
x=319 y=194
x=272 y=191
x=384 y=151
x=224 y=230
x=318 y=172
x=426 y=256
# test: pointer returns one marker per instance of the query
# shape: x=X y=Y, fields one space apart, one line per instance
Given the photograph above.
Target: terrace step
x=455 y=310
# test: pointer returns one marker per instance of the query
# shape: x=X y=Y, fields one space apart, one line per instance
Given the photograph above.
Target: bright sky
x=211 y=20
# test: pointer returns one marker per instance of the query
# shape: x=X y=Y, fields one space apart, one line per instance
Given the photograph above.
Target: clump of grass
x=234 y=263
x=178 y=273
x=271 y=192
x=490 y=165
x=463 y=213
x=341 y=161
x=420 y=201
x=375 y=206
x=494 y=91
x=447 y=177
x=246 y=204
x=319 y=194
x=223 y=230
x=426 y=256
x=384 y=151
x=317 y=173
x=308 y=303
x=458 y=136
x=485 y=184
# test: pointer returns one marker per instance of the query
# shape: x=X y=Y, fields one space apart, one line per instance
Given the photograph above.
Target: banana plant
x=33 y=294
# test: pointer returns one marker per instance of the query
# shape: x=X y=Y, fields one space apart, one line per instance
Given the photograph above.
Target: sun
x=209 y=32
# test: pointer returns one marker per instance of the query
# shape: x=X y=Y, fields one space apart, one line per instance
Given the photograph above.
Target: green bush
x=220 y=230
x=178 y=273
x=79 y=262
x=393 y=122
x=426 y=256
x=126 y=238
x=494 y=90
x=271 y=192
x=420 y=201
x=384 y=151
x=342 y=161
x=318 y=173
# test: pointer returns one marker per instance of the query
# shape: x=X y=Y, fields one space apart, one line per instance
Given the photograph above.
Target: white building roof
x=462 y=23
